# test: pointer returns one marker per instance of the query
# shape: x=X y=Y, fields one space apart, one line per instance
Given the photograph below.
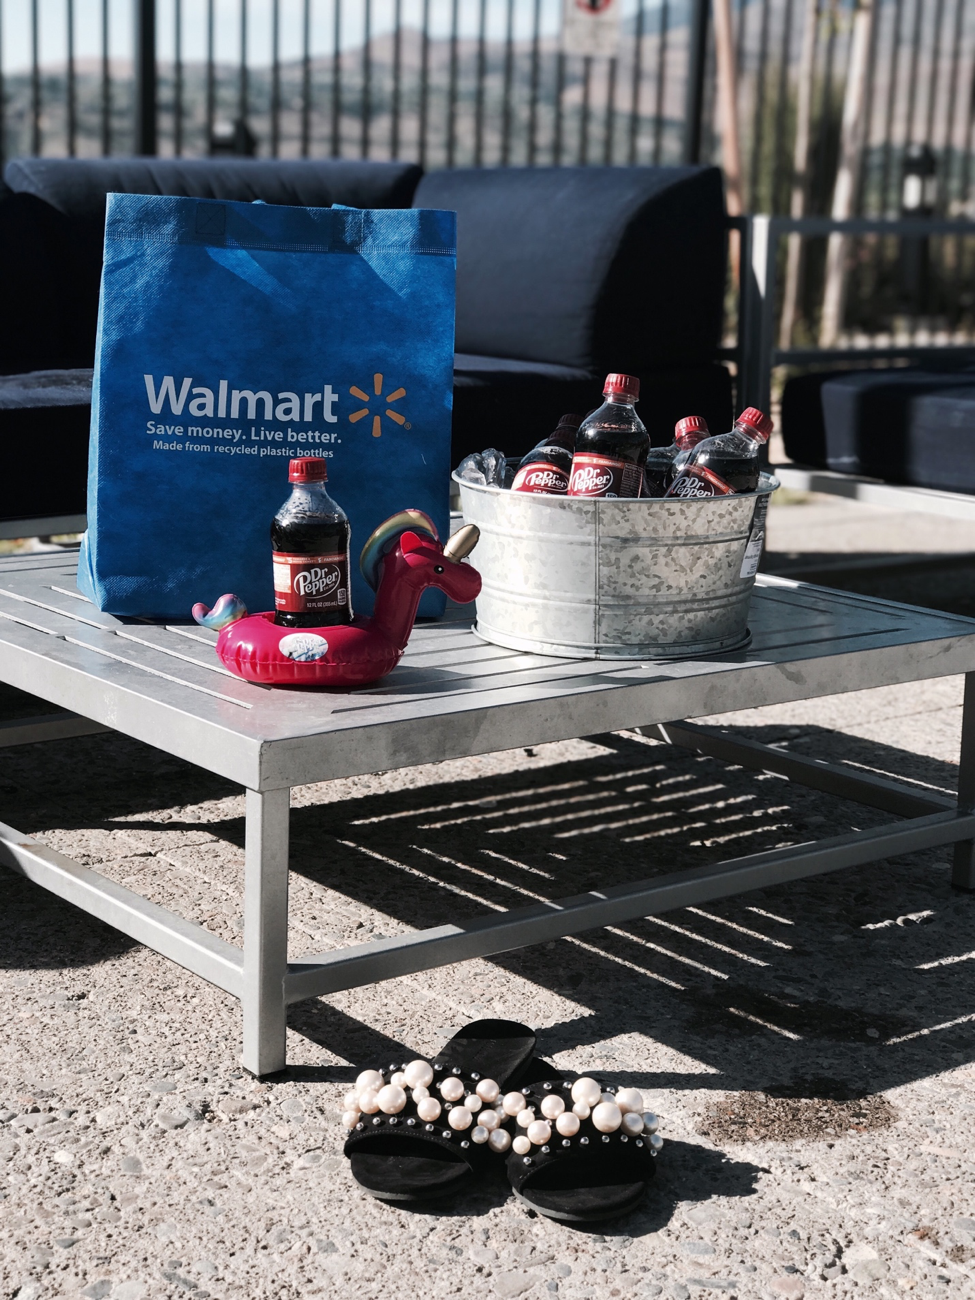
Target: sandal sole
x=413 y=1199
x=565 y=1217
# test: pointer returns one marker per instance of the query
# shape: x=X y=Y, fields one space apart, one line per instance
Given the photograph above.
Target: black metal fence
x=481 y=82
x=484 y=82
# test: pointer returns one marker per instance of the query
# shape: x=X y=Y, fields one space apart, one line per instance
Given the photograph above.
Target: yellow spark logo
x=377 y=391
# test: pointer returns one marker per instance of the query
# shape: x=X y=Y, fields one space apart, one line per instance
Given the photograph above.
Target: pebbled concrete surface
x=821 y=1033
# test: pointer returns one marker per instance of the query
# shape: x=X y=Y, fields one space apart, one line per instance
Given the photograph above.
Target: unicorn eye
x=438 y=568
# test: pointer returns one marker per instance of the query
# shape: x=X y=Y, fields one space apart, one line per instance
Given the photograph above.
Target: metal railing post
x=757 y=311
x=696 y=72
x=145 y=141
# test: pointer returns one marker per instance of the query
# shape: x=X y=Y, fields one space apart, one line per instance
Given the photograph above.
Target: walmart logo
x=377 y=392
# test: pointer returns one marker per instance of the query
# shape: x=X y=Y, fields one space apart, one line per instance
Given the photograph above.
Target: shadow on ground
x=858 y=979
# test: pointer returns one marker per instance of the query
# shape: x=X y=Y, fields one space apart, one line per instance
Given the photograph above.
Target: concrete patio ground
x=809 y=1048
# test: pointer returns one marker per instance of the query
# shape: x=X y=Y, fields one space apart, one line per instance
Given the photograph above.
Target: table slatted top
x=453 y=695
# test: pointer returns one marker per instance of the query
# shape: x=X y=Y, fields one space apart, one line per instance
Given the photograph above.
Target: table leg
x=265 y=930
x=963 y=872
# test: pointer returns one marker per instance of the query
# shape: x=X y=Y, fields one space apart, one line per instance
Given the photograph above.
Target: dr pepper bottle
x=611 y=445
x=310 y=551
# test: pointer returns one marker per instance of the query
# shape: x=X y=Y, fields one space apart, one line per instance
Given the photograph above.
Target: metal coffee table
x=453 y=696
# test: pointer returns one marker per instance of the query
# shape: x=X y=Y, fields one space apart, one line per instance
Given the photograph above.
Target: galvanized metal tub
x=613 y=578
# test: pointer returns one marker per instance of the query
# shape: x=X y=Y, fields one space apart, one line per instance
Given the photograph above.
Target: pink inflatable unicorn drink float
x=400 y=560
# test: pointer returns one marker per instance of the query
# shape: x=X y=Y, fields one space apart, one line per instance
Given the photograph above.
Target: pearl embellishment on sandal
x=630 y=1099
x=369 y=1101
x=513 y=1103
x=419 y=1074
x=607 y=1117
x=587 y=1091
x=477 y=1110
x=451 y=1089
x=488 y=1091
x=391 y=1099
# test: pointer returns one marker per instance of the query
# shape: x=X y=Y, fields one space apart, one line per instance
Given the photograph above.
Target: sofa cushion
x=867 y=419
x=44 y=419
x=513 y=404
x=78 y=186
x=55 y=220
x=474 y=371
x=941 y=439
x=803 y=430
x=599 y=268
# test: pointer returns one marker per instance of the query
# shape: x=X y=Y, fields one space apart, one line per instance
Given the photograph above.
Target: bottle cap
x=308 y=469
x=759 y=423
x=570 y=421
x=690 y=431
x=627 y=386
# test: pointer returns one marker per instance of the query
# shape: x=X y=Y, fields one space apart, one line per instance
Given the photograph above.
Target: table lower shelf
x=254 y=973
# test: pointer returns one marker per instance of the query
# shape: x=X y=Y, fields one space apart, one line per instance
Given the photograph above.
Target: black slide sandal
x=405 y=1150
x=594 y=1166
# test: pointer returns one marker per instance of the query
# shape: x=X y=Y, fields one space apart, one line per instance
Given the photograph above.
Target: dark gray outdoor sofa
x=562 y=275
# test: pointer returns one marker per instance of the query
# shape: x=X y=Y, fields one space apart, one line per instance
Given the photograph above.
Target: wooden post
x=852 y=137
x=728 y=105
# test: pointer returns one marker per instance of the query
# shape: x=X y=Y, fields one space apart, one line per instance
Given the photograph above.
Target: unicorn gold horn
x=462 y=542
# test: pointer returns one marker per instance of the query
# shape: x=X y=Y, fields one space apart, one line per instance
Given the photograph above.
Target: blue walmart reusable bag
x=234 y=336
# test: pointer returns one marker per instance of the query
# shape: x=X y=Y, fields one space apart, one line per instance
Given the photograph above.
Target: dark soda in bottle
x=726 y=463
x=310 y=537
x=658 y=472
x=611 y=445
x=547 y=466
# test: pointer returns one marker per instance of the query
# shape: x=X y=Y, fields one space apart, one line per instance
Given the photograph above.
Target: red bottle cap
x=690 y=431
x=627 y=386
x=308 y=469
x=570 y=421
x=757 y=421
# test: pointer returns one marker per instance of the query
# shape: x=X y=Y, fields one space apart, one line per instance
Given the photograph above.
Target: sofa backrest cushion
x=598 y=267
x=78 y=186
x=65 y=198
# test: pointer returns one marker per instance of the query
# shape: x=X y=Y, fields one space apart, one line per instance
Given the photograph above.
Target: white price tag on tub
x=756 y=540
